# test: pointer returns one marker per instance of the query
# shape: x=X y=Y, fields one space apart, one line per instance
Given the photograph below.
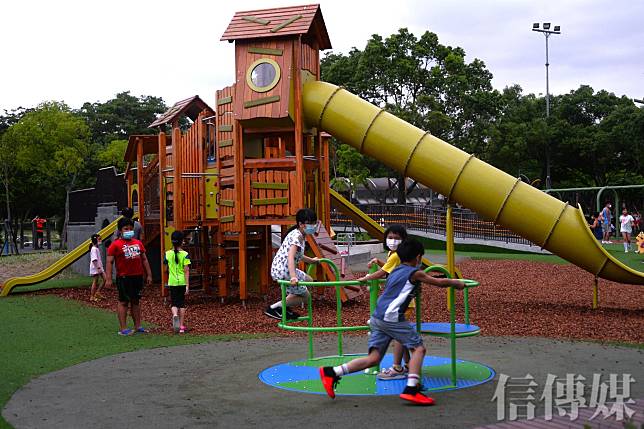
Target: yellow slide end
x=494 y=194
x=58 y=266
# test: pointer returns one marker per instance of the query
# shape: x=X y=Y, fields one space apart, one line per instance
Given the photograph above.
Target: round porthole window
x=263 y=75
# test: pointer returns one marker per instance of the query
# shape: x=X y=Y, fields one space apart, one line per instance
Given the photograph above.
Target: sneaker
x=125 y=332
x=99 y=296
x=329 y=381
x=182 y=330
x=142 y=330
x=176 y=324
x=291 y=315
x=412 y=394
x=392 y=373
x=275 y=313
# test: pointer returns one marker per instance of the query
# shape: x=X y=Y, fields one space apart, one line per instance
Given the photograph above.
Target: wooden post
x=297 y=115
x=222 y=275
x=202 y=159
x=128 y=178
x=162 y=212
x=140 y=180
x=265 y=260
x=326 y=182
x=205 y=248
x=241 y=215
x=177 y=181
x=596 y=293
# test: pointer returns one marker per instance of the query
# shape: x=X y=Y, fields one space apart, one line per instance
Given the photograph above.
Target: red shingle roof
x=263 y=23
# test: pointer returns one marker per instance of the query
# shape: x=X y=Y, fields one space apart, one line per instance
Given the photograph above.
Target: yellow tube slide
x=57 y=266
x=497 y=196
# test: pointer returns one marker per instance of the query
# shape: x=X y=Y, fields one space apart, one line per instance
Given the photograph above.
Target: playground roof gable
x=150 y=145
x=276 y=22
x=191 y=107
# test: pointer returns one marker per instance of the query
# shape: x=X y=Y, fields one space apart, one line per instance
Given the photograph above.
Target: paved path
x=216 y=385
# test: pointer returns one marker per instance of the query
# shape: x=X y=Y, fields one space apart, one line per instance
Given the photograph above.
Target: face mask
x=309 y=229
x=128 y=235
x=392 y=243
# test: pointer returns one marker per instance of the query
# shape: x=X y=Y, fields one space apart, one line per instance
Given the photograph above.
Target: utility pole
x=547 y=32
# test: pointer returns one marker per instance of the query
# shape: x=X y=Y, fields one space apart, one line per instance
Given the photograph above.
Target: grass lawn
x=42 y=334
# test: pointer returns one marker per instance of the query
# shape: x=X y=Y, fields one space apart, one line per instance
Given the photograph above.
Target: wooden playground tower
x=226 y=175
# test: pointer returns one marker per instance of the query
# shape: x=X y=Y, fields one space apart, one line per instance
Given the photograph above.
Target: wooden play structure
x=226 y=176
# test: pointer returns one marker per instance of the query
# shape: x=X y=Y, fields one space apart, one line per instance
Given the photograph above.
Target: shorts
x=297 y=290
x=383 y=332
x=178 y=296
x=130 y=288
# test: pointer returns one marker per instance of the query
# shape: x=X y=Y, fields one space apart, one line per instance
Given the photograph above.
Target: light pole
x=546 y=31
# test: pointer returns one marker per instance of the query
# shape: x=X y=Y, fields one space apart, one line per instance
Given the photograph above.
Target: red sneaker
x=412 y=394
x=329 y=382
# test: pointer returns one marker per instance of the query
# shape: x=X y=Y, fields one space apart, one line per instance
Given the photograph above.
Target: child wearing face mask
x=284 y=266
x=388 y=323
x=394 y=235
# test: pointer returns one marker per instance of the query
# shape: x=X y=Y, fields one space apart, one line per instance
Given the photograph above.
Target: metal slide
x=497 y=196
x=57 y=266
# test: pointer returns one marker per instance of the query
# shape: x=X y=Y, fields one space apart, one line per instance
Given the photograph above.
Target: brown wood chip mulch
x=518 y=298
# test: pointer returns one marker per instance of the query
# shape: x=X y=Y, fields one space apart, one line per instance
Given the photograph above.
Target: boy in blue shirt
x=388 y=322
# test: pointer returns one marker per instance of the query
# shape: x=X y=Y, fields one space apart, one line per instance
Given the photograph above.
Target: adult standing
x=626 y=228
x=606 y=218
x=40 y=230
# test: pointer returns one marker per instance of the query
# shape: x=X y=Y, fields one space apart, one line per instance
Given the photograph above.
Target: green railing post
x=452 y=331
x=466 y=304
x=374 y=288
x=310 y=324
x=338 y=303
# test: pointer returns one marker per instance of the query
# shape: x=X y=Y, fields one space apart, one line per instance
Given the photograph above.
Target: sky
x=78 y=51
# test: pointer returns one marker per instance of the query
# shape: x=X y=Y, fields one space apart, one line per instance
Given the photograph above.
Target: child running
x=394 y=235
x=128 y=254
x=284 y=266
x=96 y=268
x=388 y=322
x=178 y=263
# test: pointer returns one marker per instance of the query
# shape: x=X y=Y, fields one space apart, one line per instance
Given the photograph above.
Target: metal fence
x=428 y=219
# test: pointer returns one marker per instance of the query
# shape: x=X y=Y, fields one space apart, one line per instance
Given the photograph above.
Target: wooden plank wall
x=243 y=59
x=270 y=177
x=191 y=146
x=310 y=57
x=226 y=150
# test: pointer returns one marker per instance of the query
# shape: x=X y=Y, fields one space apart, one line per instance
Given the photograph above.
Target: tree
x=122 y=116
x=113 y=154
x=424 y=83
x=52 y=148
x=8 y=154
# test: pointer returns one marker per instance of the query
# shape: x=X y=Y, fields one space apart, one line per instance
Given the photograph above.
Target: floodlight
x=546 y=26
x=535 y=26
x=557 y=28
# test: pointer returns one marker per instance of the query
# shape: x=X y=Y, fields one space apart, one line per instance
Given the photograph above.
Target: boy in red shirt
x=129 y=255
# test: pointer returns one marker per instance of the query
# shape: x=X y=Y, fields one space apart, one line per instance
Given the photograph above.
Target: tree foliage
x=423 y=82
